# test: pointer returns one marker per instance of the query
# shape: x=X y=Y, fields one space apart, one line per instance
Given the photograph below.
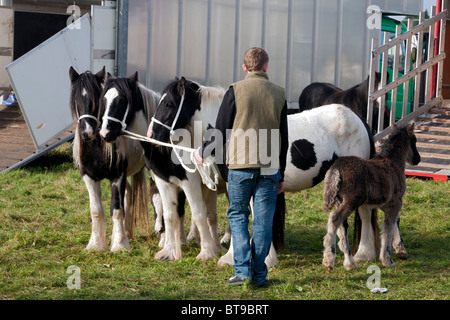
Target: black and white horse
x=172 y=179
x=98 y=160
x=380 y=182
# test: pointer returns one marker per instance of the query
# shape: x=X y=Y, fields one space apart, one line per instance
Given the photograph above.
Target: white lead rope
x=204 y=169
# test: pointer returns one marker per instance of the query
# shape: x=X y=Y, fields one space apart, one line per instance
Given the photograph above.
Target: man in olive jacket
x=253 y=121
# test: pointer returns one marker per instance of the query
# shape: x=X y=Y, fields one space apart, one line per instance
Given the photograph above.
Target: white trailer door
x=40 y=79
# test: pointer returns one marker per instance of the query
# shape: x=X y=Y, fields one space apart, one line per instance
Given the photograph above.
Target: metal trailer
x=307 y=41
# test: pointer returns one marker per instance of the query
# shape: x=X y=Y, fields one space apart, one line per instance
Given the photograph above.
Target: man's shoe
x=264 y=284
x=235 y=281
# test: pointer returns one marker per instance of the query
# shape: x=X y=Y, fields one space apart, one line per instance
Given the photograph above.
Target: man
x=252 y=109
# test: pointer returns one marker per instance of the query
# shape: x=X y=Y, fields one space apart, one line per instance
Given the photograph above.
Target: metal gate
x=422 y=69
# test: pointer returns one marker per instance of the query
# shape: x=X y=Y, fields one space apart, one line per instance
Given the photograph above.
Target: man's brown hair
x=255 y=59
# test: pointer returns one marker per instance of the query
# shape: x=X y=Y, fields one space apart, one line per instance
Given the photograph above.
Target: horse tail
x=331 y=189
x=278 y=222
x=139 y=202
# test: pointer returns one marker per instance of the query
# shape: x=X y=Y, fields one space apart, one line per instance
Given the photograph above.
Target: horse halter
x=86 y=116
x=122 y=122
x=170 y=128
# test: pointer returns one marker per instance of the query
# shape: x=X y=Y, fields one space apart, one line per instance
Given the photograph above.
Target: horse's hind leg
x=98 y=235
x=390 y=216
x=366 y=250
x=335 y=220
x=119 y=239
x=342 y=232
x=399 y=248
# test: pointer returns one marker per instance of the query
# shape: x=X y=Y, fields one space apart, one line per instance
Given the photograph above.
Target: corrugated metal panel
x=321 y=40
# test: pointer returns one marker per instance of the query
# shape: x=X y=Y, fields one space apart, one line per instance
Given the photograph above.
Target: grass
x=45 y=226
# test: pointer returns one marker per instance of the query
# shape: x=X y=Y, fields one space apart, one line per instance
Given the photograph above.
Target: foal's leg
x=399 y=248
x=366 y=250
x=335 y=220
x=390 y=216
x=98 y=235
x=342 y=232
x=119 y=239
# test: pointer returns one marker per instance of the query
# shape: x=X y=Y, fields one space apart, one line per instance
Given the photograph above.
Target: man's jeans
x=243 y=184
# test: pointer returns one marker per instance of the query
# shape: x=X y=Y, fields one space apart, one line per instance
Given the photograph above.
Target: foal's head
x=178 y=103
x=84 y=101
x=402 y=141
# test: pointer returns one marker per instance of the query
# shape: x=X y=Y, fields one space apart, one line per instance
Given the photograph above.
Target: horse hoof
x=351 y=266
x=225 y=260
x=363 y=258
x=167 y=255
x=119 y=247
x=205 y=255
x=96 y=247
x=402 y=255
x=389 y=264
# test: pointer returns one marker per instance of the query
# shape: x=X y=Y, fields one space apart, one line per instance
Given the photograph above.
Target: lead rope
x=205 y=169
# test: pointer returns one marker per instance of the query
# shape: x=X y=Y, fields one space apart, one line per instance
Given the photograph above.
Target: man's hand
x=280 y=187
x=197 y=156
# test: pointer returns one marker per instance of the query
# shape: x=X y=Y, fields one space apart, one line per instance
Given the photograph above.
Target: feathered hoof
x=226 y=259
x=350 y=266
x=328 y=266
x=206 y=255
x=96 y=247
x=359 y=257
x=388 y=263
x=402 y=254
x=119 y=247
x=166 y=255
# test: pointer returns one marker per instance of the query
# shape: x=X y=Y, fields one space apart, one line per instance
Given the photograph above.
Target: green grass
x=45 y=226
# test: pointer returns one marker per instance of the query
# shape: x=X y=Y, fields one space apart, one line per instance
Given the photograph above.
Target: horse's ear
x=411 y=129
x=135 y=77
x=73 y=74
x=101 y=75
x=182 y=85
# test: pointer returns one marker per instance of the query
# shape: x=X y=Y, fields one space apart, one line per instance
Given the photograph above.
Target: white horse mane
x=151 y=99
x=210 y=103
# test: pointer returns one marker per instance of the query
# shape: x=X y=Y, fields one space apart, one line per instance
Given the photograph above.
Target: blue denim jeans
x=243 y=184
